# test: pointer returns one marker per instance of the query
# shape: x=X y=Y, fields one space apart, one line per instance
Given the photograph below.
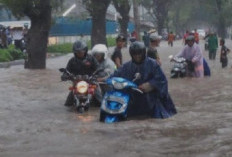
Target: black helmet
x=80 y=46
x=120 y=37
x=137 y=47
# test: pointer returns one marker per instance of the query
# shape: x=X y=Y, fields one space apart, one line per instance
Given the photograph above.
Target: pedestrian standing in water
x=196 y=36
x=223 y=53
x=117 y=54
x=171 y=38
x=152 y=50
x=146 y=39
x=212 y=46
x=185 y=37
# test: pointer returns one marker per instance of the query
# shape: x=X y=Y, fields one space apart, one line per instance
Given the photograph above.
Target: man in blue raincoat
x=155 y=101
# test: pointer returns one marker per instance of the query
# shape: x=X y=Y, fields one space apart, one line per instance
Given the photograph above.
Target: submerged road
x=34 y=122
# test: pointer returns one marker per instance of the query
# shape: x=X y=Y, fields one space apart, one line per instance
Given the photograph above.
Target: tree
x=123 y=7
x=161 y=12
x=222 y=9
x=97 y=10
x=207 y=14
x=180 y=16
x=39 y=12
x=158 y=11
x=136 y=17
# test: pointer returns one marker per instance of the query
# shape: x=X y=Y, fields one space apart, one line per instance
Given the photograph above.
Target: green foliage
x=111 y=41
x=67 y=47
x=15 y=53
x=20 y=7
x=16 y=6
x=60 y=48
x=5 y=55
x=10 y=54
x=207 y=13
x=63 y=48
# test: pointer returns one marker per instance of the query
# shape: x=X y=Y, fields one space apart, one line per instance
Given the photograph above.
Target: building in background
x=72 y=22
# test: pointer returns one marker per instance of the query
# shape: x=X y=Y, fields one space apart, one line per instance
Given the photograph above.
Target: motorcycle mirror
x=170 y=57
x=97 y=71
x=62 y=70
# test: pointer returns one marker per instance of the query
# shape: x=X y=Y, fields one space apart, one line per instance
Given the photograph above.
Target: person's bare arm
x=117 y=62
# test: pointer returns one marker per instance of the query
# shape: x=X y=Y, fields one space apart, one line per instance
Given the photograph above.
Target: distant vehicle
x=201 y=33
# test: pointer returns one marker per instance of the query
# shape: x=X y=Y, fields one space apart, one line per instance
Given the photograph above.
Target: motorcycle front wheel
x=174 y=74
x=80 y=109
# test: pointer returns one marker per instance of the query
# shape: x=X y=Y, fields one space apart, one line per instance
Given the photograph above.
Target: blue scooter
x=115 y=102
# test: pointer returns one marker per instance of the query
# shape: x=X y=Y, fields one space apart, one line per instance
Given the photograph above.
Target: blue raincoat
x=157 y=103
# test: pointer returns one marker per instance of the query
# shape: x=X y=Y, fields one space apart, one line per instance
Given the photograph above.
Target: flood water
x=34 y=122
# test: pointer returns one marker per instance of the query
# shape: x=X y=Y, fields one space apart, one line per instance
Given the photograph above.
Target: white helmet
x=100 y=49
x=154 y=37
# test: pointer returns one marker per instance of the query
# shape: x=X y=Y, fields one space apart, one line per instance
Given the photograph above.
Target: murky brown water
x=34 y=122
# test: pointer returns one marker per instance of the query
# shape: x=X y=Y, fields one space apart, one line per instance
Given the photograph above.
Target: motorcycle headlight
x=82 y=87
x=119 y=85
x=114 y=105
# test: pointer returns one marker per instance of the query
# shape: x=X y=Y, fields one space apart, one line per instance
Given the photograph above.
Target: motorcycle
x=179 y=67
x=115 y=102
x=83 y=89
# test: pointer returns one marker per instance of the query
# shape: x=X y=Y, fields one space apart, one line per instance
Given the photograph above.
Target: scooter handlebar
x=138 y=90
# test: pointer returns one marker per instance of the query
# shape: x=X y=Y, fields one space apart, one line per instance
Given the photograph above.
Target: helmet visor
x=79 y=51
x=137 y=52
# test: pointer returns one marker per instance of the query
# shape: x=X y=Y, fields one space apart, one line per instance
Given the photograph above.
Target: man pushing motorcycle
x=155 y=100
x=193 y=55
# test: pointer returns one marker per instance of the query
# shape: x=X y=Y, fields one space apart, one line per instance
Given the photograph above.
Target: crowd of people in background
x=151 y=41
x=212 y=44
x=145 y=60
x=12 y=35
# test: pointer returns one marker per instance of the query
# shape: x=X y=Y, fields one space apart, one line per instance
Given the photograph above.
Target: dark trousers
x=212 y=54
x=224 y=62
x=70 y=99
x=17 y=44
